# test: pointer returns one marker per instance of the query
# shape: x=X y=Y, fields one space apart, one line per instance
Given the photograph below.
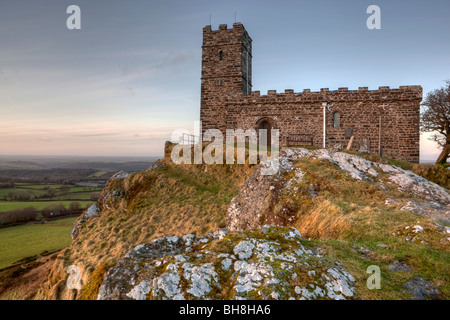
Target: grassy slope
x=167 y=200
x=22 y=281
x=175 y=200
x=348 y=214
x=32 y=239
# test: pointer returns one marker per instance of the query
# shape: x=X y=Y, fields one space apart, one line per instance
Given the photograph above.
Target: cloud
x=178 y=57
x=3 y=77
x=164 y=63
x=130 y=91
x=45 y=139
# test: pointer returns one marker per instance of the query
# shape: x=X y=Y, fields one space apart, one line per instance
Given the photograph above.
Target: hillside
x=351 y=213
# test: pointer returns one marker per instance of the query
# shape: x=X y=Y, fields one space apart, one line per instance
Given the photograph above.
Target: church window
x=336 y=120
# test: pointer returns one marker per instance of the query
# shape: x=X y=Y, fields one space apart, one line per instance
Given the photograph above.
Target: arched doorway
x=265 y=137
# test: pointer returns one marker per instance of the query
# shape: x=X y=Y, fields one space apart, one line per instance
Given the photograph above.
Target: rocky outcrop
x=421 y=289
x=109 y=198
x=269 y=264
x=90 y=212
x=248 y=210
x=252 y=206
x=251 y=260
x=430 y=209
x=410 y=182
x=362 y=169
x=121 y=175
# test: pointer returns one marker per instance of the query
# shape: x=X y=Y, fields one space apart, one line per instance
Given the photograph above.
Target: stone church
x=383 y=121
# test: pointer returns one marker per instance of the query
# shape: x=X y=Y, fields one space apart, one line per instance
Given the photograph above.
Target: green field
x=32 y=239
x=80 y=193
x=62 y=194
x=75 y=196
x=38 y=205
x=36 y=186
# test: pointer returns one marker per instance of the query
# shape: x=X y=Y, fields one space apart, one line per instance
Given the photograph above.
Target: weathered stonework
x=228 y=102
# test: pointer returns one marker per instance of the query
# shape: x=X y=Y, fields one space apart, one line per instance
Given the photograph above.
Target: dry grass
x=22 y=281
x=437 y=173
x=180 y=199
x=90 y=289
x=349 y=214
x=324 y=221
x=169 y=200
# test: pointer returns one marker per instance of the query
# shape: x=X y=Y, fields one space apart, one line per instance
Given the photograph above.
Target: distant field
x=32 y=239
x=40 y=189
x=84 y=189
x=36 y=186
x=75 y=196
x=62 y=194
x=39 y=205
x=37 y=190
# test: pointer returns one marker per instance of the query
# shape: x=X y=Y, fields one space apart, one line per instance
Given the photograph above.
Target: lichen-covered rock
x=120 y=175
x=417 y=185
x=155 y=165
x=271 y=263
x=252 y=207
x=254 y=204
x=90 y=212
x=399 y=266
x=244 y=249
x=431 y=209
x=247 y=210
x=110 y=197
x=295 y=153
x=361 y=169
x=421 y=289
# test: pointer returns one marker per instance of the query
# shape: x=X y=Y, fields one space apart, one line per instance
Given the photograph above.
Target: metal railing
x=190 y=139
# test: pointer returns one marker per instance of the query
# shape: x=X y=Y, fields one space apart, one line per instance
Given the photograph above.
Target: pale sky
x=131 y=76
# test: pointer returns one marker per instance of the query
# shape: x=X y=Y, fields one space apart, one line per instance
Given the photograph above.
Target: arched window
x=220 y=55
x=336 y=120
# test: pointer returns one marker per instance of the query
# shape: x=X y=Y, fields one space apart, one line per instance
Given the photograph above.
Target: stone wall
x=359 y=110
x=227 y=102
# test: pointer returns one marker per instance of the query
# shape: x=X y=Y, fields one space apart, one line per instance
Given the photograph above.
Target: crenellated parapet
x=384 y=93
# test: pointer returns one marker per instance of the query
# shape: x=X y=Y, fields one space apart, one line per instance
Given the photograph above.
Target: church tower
x=226 y=70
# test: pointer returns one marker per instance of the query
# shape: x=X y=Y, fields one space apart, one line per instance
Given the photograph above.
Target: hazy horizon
x=50 y=156
x=131 y=76
x=117 y=158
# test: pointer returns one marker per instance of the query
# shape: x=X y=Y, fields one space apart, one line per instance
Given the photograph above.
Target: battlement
x=225 y=35
x=222 y=27
x=341 y=94
x=384 y=89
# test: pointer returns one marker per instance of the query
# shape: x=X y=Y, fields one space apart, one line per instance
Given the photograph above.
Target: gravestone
x=364 y=145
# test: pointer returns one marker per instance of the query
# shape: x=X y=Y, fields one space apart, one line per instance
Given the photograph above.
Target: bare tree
x=74 y=206
x=51 y=192
x=436 y=118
